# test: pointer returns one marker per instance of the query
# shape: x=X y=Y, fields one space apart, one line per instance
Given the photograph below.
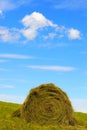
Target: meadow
x=7 y=122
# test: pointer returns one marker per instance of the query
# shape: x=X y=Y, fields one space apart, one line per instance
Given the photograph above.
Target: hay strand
x=47 y=105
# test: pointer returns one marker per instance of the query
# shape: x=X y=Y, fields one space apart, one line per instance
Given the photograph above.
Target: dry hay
x=47 y=105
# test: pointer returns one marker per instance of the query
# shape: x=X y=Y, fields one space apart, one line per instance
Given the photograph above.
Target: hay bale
x=47 y=105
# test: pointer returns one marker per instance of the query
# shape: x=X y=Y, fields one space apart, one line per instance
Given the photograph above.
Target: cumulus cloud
x=29 y=33
x=35 y=22
x=9 y=35
x=33 y=25
x=52 y=68
x=74 y=34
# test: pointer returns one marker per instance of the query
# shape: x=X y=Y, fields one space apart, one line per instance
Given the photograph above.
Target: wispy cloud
x=50 y=36
x=52 y=68
x=6 y=86
x=2 y=69
x=1 y=61
x=14 y=56
x=73 y=4
x=13 y=79
x=6 y=5
x=11 y=4
x=11 y=98
x=1 y=12
x=51 y=45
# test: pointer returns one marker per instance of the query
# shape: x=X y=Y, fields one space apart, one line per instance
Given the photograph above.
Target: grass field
x=7 y=122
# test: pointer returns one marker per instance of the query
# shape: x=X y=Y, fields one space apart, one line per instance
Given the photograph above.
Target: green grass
x=7 y=122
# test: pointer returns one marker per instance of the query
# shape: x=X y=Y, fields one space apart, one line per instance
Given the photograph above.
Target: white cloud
x=15 y=56
x=74 y=34
x=1 y=12
x=79 y=105
x=2 y=69
x=50 y=36
x=62 y=31
x=33 y=25
x=1 y=61
x=9 y=35
x=52 y=68
x=6 y=86
x=11 y=4
x=73 y=4
x=64 y=4
x=35 y=22
x=13 y=79
x=6 y=5
x=11 y=98
x=51 y=45
x=30 y=33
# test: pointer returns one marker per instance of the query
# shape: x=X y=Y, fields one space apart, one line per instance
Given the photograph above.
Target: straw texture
x=47 y=105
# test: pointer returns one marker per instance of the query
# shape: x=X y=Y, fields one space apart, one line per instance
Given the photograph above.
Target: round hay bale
x=47 y=105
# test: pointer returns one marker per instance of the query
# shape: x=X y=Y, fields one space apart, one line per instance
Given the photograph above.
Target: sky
x=43 y=42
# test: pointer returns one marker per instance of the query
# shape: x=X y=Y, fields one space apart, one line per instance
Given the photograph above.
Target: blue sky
x=43 y=42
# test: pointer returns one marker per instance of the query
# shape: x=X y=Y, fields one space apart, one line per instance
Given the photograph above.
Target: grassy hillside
x=7 y=122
